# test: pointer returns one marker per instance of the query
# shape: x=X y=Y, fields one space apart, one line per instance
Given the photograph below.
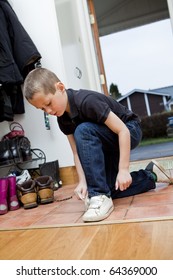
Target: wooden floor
x=127 y=240
x=131 y=241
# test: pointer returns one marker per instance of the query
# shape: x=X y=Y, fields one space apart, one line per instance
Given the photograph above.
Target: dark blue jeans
x=98 y=150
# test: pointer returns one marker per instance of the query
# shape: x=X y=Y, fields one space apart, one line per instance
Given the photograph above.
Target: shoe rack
x=38 y=157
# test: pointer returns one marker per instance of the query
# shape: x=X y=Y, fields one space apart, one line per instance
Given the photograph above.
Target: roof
x=118 y=15
x=167 y=91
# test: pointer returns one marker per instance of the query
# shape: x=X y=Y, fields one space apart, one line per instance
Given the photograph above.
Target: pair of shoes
x=163 y=176
x=8 y=195
x=33 y=192
x=15 y=150
x=98 y=208
x=20 y=147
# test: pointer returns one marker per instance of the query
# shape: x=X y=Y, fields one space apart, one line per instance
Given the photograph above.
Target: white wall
x=170 y=8
x=39 y=19
x=77 y=44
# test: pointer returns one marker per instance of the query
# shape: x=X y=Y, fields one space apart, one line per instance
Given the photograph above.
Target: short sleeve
x=95 y=108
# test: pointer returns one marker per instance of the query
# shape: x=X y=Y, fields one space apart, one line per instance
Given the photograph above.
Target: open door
x=94 y=26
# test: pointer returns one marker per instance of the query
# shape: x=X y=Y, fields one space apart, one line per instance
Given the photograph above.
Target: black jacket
x=17 y=50
x=18 y=54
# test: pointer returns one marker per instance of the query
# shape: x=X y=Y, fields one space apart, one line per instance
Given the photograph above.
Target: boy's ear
x=59 y=86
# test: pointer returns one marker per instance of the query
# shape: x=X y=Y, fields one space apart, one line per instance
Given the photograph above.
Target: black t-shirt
x=91 y=106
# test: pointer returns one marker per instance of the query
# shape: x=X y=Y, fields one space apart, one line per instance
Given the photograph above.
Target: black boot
x=6 y=156
x=15 y=149
x=25 y=147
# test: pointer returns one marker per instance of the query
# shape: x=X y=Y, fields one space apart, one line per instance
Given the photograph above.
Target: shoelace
x=66 y=198
x=96 y=203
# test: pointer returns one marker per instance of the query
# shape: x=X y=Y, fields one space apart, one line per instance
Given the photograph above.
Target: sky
x=139 y=58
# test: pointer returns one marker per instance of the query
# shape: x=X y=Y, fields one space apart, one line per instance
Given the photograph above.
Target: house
x=170 y=91
x=148 y=102
x=71 y=50
x=61 y=30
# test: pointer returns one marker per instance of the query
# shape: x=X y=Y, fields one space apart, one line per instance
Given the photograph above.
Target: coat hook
x=46 y=120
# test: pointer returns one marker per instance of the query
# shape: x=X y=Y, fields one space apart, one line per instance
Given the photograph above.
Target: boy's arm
x=117 y=126
x=81 y=189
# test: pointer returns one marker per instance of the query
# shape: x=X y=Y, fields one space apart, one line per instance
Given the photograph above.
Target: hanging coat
x=18 y=53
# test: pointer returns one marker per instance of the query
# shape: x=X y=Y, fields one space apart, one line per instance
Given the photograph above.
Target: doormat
x=166 y=162
x=67 y=210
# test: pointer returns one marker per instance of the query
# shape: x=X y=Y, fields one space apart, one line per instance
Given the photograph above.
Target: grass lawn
x=155 y=141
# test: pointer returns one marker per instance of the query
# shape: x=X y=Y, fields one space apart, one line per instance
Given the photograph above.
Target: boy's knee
x=82 y=130
x=79 y=131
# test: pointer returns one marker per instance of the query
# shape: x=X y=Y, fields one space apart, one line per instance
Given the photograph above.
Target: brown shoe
x=27 y=194
x=45 y=186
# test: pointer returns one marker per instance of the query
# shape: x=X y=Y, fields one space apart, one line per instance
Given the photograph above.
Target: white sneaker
x=23 y=177
x=99 y=208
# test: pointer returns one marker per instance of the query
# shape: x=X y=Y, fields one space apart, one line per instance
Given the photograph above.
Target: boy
x=101 y=133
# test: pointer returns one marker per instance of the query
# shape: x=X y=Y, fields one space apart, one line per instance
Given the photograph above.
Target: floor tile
x=124 y=202
x=150 y=212
x=154 y=199
x=117 y=214
x=70 y=206
x=58 y=218
x=67 y=209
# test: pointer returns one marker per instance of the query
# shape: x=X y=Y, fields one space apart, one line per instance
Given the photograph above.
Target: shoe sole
x=2 y=212
x=30 y=205
x=163 y=170
x=13 y=208
x=97 y=219
x=47 y=200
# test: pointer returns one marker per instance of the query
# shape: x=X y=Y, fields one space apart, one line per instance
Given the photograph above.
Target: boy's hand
x=123 y=180
x=81 y=191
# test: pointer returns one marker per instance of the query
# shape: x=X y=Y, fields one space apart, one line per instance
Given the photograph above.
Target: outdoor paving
x=152 y=151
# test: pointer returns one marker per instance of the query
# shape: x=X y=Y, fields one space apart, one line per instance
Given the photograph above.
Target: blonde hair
x=39 y=80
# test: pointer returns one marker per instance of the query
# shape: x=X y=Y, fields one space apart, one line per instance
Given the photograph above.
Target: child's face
x=53 y=104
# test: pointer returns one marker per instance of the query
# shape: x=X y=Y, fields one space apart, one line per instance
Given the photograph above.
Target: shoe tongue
x=95 y=198
x=95 y=202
